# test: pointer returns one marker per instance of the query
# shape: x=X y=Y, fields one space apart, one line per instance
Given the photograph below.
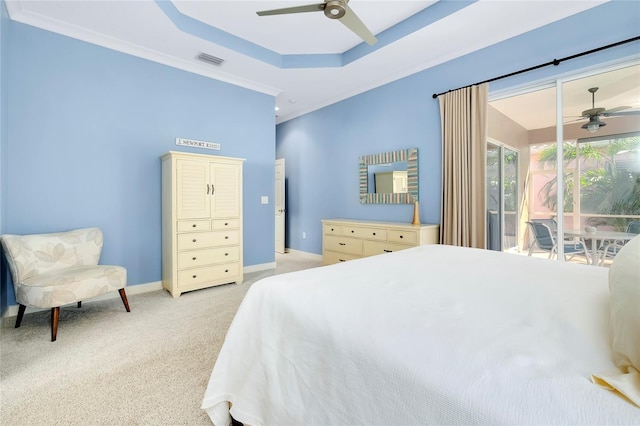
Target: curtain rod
x=554 y=62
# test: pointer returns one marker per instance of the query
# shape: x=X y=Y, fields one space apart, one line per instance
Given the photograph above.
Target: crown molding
x=18 y=14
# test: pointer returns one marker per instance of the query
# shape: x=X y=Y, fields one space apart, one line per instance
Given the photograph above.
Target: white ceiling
x=173 y=33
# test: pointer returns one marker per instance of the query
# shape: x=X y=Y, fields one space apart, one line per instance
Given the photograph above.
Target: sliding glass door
x=579 y=140
x=502 y=197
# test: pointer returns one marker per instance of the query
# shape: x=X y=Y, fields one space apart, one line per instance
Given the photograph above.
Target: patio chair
x=611 y=248
x=553 y=227
x=545 y=239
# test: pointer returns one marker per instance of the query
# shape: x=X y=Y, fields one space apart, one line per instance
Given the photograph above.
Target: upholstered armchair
x=53 y=270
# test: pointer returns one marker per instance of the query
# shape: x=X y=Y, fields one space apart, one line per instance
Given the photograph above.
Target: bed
x=430 y=335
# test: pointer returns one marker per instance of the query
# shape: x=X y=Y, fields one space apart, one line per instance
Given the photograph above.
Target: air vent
x=210 y=59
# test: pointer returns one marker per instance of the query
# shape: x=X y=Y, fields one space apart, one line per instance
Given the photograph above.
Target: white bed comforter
x=430 y=335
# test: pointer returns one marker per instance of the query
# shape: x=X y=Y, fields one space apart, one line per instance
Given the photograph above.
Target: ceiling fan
x=333 y=9
x=594 y=114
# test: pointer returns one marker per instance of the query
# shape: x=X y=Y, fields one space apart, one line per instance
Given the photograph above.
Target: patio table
x=597 y=237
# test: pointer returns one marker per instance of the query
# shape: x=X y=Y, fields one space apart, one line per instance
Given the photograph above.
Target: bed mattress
x=430 y=335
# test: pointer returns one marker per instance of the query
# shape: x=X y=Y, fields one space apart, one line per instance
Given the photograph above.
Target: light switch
x=264 y=199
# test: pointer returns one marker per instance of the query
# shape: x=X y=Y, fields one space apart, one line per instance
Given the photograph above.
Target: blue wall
x=4 y=22
x=87 y=127
x=321 y=149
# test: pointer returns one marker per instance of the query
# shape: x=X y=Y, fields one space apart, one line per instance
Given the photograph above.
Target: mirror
x=389 y=177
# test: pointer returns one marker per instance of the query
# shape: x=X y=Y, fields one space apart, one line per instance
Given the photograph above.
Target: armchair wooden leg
x=55 y=316
x=80 y=304
x=123 y=296
x=21 y=310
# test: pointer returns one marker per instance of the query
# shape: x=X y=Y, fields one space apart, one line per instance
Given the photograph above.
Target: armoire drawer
x=192 y=241
x=372 y=248
x=219 y=224
x=330 y=257
x=343 y=244
x=193 y=225
x=198 y=258
x=196 y=276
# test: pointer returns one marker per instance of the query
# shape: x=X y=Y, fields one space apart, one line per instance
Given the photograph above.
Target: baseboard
x=12 y=310
x=306 y=254
x=259 y=267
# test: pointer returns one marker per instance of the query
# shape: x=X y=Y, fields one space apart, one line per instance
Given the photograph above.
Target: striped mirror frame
x=410 y=156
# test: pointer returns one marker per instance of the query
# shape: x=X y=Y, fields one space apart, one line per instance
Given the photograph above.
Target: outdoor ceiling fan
x=333 y=9
x=594 y=114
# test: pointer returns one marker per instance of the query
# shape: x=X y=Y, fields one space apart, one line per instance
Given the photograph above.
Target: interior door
x=280 y=205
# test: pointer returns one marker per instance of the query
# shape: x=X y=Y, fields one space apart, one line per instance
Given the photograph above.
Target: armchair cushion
x=71 y=285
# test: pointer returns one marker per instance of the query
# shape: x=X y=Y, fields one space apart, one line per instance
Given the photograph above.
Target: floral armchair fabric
x=51 y=270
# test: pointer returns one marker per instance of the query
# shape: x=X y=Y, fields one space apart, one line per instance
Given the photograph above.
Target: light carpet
x=109 y=367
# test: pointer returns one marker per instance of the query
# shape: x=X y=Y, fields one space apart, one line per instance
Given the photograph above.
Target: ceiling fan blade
x=295 y=9
x=616 y=109
x=351 y=21
x=568 y=120
x=616 y=114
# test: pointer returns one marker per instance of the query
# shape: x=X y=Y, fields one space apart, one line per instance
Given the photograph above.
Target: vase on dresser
x=416 y=213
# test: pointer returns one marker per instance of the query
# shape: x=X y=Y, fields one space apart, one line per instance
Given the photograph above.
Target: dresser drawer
x=343 y=244
x=363 y=232
x=401 y=236
x=331 y=257
x=331 y=229
x=196 y=276
x=193 y=241
x=219 y=224
x=372 y=248
x=197 y=258
x=193 y=225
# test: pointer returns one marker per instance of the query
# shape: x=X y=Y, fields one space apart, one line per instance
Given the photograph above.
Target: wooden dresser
x=346 y=239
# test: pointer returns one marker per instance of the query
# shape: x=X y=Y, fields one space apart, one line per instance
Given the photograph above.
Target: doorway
x=280 y=206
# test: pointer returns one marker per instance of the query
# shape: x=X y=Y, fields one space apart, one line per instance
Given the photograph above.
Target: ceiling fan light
x=594 y=124
x=591 y=127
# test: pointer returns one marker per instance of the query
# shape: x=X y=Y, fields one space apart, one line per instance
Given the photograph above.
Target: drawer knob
x=194 y=240
x=332 y=229
x=226 y=223
x=352 y=231
x=194 y=276
x=194 y=225
x=342 y=244
x=226 y=270
x=194 y=258
x=401 y=237
x=374 y=233
x=226 y=254
x=226 y=237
